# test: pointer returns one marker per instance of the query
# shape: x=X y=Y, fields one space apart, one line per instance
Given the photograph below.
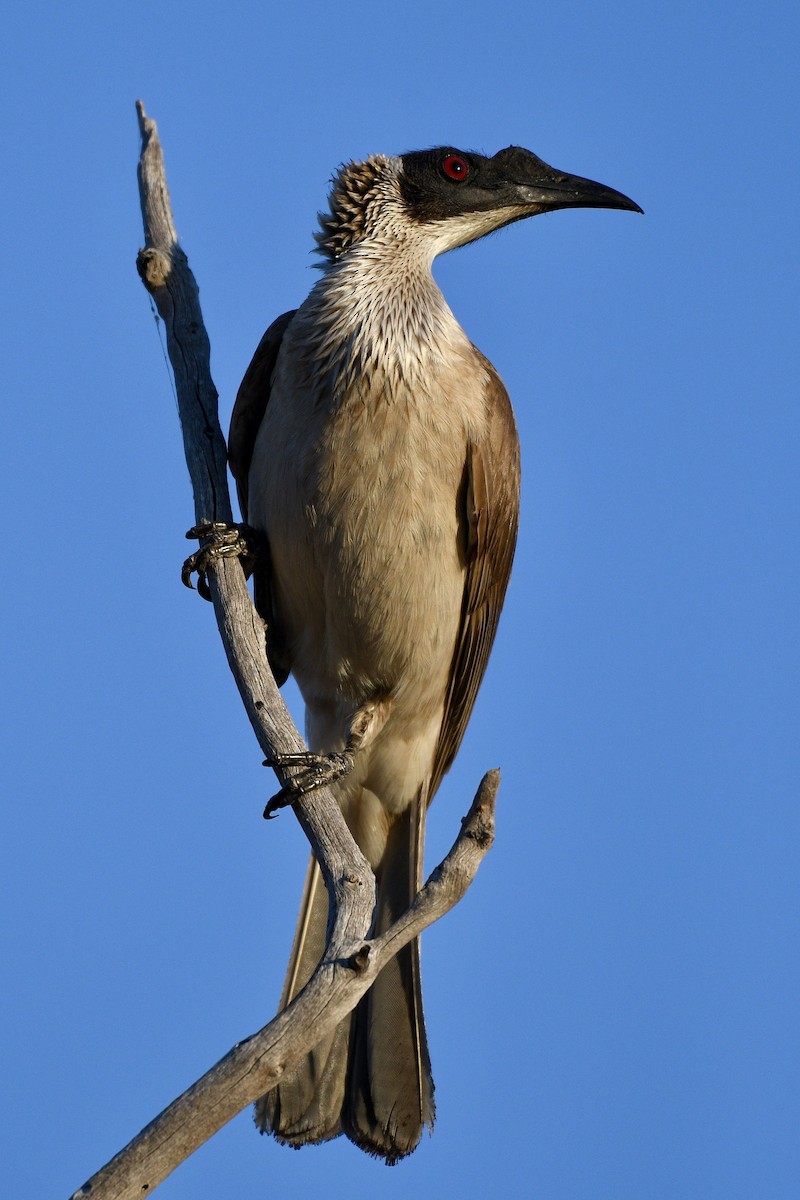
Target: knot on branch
x=154 y=267
x=478 y=826
x=359 y=961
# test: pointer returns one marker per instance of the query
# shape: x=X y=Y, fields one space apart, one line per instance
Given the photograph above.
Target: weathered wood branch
x=254 y=1066
x=351 y=961
x=167 y=276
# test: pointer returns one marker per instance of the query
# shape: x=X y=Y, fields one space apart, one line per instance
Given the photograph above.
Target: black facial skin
x=513 y=177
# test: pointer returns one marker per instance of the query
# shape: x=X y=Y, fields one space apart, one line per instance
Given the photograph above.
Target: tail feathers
x=306 y=1105
x=371 y=1078
x=390 y=1092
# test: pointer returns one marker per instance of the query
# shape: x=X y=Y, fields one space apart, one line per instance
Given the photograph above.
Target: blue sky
x=612 y=1010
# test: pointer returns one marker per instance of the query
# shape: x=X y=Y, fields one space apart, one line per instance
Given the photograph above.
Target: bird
x=376 y=454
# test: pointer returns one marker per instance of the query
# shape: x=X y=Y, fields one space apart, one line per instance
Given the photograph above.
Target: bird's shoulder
x=251 y=404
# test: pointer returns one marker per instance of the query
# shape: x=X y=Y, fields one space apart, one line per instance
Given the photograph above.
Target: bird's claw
x=218 y=540
x=316 y=770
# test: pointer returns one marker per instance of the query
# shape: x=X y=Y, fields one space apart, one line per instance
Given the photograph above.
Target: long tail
x=371 y=1078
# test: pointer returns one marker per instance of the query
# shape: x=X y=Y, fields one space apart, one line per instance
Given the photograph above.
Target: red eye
x=455 y=167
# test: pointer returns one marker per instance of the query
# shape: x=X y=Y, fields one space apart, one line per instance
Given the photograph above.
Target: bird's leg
x=220 y=540
x=316 y=770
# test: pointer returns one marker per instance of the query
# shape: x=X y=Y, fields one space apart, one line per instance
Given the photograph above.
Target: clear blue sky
x=613 y=1009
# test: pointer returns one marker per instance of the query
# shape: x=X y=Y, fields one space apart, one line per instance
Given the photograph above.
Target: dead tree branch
x=351 y=961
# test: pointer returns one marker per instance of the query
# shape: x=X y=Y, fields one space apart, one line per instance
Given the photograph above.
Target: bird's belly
x=370 y=593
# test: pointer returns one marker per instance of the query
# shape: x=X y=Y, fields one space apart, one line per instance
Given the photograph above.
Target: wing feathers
x=491 y=518
x=251 y=404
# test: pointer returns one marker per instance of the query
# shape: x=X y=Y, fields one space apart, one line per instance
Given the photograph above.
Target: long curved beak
x=554 y=189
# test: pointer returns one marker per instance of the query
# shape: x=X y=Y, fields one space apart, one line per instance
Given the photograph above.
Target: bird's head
x=447 y=197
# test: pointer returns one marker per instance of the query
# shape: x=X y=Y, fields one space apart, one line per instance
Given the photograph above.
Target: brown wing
x=251 y=404
x=248 y=413
x=490 y=512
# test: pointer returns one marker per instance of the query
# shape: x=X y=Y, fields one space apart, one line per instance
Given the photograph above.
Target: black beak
x=572 y=191
x=535 y=183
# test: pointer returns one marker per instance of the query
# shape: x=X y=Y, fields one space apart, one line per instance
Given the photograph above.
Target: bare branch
x=257 y=1064
x=351 y=962
x=166 y=274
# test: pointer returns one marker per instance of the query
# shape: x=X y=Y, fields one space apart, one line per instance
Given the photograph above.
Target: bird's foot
x=316 y=770
x=219 y=540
